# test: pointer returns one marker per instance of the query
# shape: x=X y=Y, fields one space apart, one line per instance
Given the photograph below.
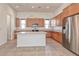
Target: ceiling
x=35 y=7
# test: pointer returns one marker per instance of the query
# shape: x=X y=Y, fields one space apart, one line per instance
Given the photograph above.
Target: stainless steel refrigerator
x=71 y=33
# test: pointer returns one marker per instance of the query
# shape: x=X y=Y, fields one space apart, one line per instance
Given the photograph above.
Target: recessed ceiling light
x=32 y=6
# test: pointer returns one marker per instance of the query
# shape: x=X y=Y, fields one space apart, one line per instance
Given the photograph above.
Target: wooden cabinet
x=57 y=36
x=29 y=22
x=54 y=35
x=71 y=10
x=48 y=34
x=68 y=11
x=39 y=21
x=17 y=22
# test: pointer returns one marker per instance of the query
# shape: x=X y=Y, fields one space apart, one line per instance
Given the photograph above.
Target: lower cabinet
x=48 y=34
x=57 y=36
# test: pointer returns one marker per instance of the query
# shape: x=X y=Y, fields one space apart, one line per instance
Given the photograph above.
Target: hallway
x=52 y=49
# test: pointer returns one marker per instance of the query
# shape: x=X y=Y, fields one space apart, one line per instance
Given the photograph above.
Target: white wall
x=34 y=14
x=3 y=26
x=12 y=13
x=4 y=10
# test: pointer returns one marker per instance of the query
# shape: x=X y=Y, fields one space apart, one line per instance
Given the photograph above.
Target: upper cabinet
x=39 y=21
x=71 y=10
x=58 y=19
x=30 y=21
x=68 y=11
x=75 y=8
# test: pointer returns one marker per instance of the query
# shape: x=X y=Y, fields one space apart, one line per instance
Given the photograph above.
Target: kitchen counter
x=53 y=29
x=26 y=39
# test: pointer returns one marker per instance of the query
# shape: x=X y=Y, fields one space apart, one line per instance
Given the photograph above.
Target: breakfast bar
x=29 y=39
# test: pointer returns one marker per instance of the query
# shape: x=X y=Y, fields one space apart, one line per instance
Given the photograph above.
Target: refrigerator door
x=67 y=33
x=74 y=46
x=69 y=30
x=71 y=34
x=77 y=41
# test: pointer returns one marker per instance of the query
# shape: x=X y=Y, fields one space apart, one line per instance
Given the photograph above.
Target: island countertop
x=25 y=39
x=52 y=29
x=31 y=32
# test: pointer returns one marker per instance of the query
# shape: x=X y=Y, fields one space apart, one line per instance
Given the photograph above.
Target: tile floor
x=52 y=49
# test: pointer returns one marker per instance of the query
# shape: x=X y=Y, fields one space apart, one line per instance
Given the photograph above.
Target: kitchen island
x=29 y=39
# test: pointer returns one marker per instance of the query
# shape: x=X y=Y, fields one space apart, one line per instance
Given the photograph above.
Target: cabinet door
x=29 y=22
x=17 y=22
x=57 y=36
x=39 y=21
x=48 y=35
x=74 y=8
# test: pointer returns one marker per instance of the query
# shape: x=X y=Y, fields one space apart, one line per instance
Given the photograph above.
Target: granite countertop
x=40 y=32
x=29 y=29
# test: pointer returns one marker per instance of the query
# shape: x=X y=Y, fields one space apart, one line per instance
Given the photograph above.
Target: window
x=47 y=23
x=22 y=24
x=53 y=22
